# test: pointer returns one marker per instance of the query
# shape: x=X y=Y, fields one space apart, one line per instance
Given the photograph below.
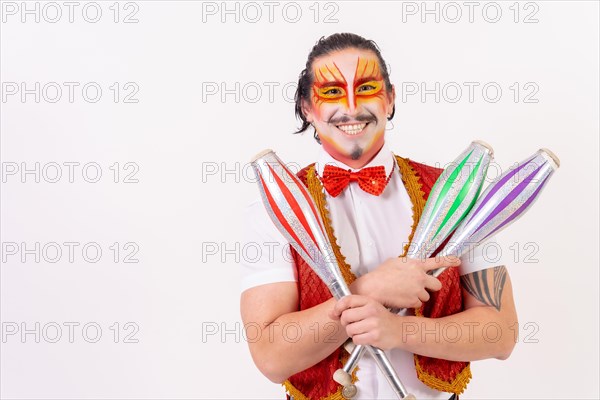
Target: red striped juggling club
x=294 y=213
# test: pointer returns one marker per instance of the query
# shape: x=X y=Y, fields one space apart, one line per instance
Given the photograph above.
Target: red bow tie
x=372 y=179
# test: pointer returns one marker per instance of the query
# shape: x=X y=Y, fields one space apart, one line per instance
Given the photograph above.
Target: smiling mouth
x=352 y=129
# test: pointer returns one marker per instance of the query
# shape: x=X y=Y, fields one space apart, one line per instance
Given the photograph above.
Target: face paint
x=330 y=85
x=368 y=81
x=349 y=105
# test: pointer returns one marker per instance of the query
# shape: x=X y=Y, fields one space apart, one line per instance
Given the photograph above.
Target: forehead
x=345 y=63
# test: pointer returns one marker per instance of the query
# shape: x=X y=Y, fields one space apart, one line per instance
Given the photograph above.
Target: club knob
x=349 y=391
x=342 y=377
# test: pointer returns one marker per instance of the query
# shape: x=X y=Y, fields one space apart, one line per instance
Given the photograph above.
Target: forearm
x=296 y=341
x=474 y=334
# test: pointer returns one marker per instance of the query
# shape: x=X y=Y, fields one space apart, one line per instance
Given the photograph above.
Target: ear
x=306 y=110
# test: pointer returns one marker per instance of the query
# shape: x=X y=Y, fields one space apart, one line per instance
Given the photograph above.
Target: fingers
x=357 y=310
x=358 y=328
x=432 y=283
x=424 y=296
x=438 y=262
x=351 y=316
x=370 y=332
x=346 y=302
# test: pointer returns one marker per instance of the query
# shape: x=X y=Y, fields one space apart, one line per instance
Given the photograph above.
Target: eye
x=331 y=92
x=366 y=88
x=369 y=88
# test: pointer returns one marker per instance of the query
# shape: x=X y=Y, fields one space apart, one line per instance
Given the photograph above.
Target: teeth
x=352 y=129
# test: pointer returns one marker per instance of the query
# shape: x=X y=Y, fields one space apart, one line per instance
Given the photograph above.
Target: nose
x=352 y=104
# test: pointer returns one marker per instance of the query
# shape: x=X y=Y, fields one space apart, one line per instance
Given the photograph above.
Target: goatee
x=356 y=153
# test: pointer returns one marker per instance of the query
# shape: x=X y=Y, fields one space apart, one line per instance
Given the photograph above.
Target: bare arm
x=485 y=329
x=289 y=340
x=482 y=330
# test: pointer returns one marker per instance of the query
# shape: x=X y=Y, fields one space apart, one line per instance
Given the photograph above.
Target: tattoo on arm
x=486 y=287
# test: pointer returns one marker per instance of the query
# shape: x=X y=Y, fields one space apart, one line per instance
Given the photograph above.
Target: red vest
x=316 y=382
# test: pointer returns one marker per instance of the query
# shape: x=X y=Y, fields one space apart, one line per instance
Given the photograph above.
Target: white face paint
x=349 y=105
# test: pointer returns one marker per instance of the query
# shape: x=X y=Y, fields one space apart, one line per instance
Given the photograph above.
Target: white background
x=185 y=209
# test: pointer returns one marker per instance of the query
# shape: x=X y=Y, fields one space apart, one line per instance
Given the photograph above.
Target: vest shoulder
x=424 y=168
x=426 y=174
x=304 y=172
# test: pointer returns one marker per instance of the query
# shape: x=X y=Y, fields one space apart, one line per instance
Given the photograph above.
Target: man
x=346 y=95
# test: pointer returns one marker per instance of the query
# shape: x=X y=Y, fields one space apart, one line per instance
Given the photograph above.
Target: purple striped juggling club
x=449 y=201
x=294 y=213
x=502 y=203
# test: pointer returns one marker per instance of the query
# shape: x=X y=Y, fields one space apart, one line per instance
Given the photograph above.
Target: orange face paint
x=349 y=90
x=330 y=85
x=368 y=81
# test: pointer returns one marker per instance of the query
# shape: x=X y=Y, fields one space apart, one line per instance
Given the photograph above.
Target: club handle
x=343 y=375
x=388 y=371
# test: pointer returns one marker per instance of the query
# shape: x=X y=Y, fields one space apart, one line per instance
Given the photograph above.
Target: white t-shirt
x=369 y=230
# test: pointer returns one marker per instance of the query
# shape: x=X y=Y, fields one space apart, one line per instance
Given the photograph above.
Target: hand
x=403 y=282
x=366 y=321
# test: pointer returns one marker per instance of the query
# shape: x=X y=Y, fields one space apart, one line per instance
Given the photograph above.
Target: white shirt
x=369 y=230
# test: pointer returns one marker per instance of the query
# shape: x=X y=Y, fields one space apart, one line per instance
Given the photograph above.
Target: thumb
x=441 y=261
x=334 y=314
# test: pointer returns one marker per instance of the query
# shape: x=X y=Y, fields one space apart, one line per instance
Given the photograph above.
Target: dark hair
x=327 y=45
